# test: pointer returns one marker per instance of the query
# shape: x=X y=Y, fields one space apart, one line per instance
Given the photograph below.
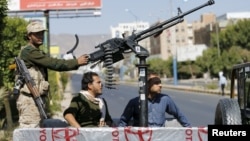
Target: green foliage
x=234 y=46
x=189 y=70
x=212 y=86
x=3 y=14
x=64 y=79
x=55 y=96
x=3 y=23
x=162 y=67
x=3 y=10
x=234 y=55
x=234 y=35
x=206 y=61
x=13 y=35
x=213 y=63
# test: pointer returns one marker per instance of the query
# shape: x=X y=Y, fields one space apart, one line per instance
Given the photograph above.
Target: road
x=198 y=107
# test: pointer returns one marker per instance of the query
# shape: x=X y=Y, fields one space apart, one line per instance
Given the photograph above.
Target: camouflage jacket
x=35 y=57
x=38 y=62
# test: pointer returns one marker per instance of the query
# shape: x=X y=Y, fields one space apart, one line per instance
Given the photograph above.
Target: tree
x=13 y=34
x=207 y=60
x=11 y=37
x=160 y=66
x=189 y=69
x=212 y=63
x=234 y=35
x=242 y=28
x=233 y=56
x=3 y=14
x=234 y=43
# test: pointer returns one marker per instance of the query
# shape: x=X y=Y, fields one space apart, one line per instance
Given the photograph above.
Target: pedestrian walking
x=222 y=84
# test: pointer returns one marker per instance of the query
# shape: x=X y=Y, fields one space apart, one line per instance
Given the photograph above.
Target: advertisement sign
x=36 y=5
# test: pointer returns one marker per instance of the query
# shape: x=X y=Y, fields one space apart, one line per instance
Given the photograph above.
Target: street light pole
x=174 y=49
x=46 y=14
x=217 y=38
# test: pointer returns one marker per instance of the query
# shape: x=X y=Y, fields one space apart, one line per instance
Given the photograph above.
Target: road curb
x=187 y=88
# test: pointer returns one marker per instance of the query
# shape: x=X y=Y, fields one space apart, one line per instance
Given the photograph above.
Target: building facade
x=183 y=39
x=180 y=36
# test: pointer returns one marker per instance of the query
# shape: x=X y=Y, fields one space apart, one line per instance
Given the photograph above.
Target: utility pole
x=217 y=38
x=136 y=18
x=46 y=15
x=174 y=49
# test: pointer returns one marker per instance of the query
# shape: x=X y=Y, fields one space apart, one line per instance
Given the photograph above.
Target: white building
x=231 y=18
x=234 y=15
x=190 y=52
x=127 y=29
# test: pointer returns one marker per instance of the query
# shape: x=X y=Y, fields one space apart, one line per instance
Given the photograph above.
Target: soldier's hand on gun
x=83 y=60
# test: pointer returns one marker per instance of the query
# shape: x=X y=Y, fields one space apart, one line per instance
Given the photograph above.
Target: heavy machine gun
x=112 y=51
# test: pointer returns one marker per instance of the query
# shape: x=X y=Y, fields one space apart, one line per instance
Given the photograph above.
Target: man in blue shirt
x=158 y=105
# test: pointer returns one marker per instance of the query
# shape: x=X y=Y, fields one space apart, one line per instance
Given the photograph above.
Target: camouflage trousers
x=29 y=116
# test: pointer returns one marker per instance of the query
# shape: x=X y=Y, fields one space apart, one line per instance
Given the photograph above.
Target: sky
x=114 y=12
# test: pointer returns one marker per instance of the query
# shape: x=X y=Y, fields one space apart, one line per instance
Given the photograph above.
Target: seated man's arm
x=127 y=114
x=108 y=118
x=71 y=120
x=71 y=112
x=173 y=109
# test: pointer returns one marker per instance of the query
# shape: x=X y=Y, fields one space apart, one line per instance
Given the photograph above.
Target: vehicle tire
x=228 y=112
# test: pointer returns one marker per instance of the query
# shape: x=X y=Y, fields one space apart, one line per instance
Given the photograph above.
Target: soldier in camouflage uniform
x=37 y=63
x=87 y=108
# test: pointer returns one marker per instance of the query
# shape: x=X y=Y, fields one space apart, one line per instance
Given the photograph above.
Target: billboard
x=41 y=5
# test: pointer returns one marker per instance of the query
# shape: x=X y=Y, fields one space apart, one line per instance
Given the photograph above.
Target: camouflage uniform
x=37 y=63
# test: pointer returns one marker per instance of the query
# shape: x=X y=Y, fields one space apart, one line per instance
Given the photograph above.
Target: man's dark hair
x=151 y=73
x=152 y=81
x=87 y=78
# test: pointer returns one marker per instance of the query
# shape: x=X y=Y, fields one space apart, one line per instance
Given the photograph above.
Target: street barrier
x=112 y=134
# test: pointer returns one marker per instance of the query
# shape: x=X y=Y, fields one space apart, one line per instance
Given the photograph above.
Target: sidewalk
x=195 y=89
x=186 y=88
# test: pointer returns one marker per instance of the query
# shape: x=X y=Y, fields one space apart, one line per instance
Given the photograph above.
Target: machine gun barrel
x=119 y=45
x=161 y=26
